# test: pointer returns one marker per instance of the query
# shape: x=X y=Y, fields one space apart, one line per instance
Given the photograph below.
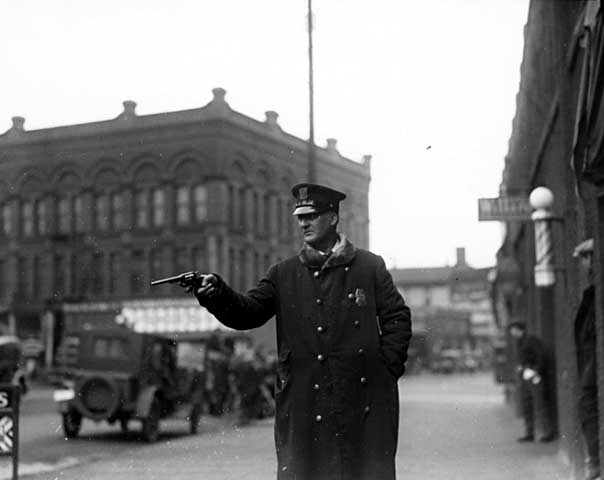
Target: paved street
x=453 y=427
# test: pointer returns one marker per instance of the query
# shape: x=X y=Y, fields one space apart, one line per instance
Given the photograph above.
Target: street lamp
x=542 y=199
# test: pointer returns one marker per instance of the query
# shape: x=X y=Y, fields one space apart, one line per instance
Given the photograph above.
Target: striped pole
x=544 y=249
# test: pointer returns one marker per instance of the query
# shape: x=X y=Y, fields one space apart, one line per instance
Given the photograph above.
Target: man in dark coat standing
x=343 y=331
x=585 y=342
x=534 y=371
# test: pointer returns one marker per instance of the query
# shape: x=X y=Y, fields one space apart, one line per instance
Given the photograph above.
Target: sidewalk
x=452 y=427
x=459 y=428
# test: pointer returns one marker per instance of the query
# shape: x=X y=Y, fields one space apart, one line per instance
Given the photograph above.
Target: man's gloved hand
x=528 y=374
x=208 y=288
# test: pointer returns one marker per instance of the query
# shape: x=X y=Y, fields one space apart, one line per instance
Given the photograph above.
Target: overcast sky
x=426 y=87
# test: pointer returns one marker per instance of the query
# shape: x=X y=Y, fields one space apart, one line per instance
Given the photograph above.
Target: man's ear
x=335 y=218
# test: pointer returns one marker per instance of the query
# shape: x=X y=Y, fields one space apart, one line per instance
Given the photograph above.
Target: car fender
x=144 y=400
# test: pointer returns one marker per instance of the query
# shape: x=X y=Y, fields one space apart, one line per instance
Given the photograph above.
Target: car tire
x=151 y=422
x=72 y=423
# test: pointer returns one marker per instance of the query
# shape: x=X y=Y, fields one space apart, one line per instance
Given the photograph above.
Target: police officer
x=585 y=341
x=343 y=331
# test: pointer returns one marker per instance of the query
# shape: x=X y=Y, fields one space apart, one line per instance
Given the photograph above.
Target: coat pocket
x=283 y=371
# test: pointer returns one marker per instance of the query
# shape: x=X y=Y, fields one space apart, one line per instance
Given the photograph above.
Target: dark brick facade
x=92 y=212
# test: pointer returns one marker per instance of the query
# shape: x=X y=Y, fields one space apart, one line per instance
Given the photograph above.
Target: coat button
x=363 y=380
x=316 y=274
x=367 y=409
x=357 y=323
x=319 y=301
x=361 y=351
x=318 y=418
x=320 y=357
x=320 y=329
x=346 y=269
x=351 y=296
x=316 y=386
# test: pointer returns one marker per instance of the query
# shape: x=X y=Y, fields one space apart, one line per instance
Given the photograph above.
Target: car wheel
x=72 y=422
x=151 y=422
x=194 y=418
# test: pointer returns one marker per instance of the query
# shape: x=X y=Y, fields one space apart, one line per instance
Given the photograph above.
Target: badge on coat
x=360 y=298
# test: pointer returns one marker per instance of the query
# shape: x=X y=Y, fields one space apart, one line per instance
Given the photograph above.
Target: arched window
x=159 y=207
x=141 y=214
x=240 y=209
x=59 y=269
x=97 y=273
x=156 y=263
x=231 y=205
x=117 y=211
x=137 y=269
x=7 y=219
x=101 y=210
x=78 y=211
x=115 y=271
x=200 y=197
x=27 y=218
x=41 y=217
x=266 y=207
x=64 y=215
x=183 y=205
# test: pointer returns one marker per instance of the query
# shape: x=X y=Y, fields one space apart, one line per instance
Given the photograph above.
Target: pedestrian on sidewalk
x=337 y=406
x=533 y=374
x=585 y=342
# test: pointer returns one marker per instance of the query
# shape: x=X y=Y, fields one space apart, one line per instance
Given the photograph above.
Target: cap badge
x=303 y=193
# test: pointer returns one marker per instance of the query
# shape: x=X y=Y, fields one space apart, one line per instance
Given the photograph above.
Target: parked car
x=118 y=375
x=447 y=361
x=12 y=363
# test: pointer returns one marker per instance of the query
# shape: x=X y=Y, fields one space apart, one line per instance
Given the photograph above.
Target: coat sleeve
x=244 y=311
x=394 y=319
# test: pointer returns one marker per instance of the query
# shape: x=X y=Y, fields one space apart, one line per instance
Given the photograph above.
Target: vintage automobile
x=12 y=366
x=118 y=375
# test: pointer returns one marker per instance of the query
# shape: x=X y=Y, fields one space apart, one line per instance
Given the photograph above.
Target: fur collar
x=343 y=254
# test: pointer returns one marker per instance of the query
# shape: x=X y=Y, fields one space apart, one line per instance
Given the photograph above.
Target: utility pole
x=311 y=175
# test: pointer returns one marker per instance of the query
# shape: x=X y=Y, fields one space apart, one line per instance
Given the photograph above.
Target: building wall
x=94 y=212
x=540 y=154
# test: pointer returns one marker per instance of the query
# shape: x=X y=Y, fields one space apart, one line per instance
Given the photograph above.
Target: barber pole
x=541 y=199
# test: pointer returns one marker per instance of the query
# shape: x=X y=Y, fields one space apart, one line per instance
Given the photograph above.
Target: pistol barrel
x=175 y=279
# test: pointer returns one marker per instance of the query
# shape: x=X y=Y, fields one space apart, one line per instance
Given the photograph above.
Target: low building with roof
x=451 y=308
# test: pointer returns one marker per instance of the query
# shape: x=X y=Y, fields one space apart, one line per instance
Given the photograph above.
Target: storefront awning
x=168 y=316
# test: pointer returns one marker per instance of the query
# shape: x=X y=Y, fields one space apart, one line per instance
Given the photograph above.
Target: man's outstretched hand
x=208 y=288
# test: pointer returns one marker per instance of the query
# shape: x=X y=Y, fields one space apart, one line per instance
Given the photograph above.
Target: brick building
x=90 y=213
x=556 y=143
x=452 y=308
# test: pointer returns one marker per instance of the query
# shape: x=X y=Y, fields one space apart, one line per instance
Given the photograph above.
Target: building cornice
x=216 y=110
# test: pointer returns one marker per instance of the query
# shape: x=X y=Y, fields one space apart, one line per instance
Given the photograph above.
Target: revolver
x=187 y=280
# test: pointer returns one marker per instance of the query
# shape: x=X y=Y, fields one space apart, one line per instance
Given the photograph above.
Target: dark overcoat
x=343 y=331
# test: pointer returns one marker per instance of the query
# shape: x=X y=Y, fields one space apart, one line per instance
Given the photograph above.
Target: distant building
x=451 y=307
x=90 y=213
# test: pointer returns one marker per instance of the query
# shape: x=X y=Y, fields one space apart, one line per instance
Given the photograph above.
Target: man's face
x=585 y=262
x=316 y=227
